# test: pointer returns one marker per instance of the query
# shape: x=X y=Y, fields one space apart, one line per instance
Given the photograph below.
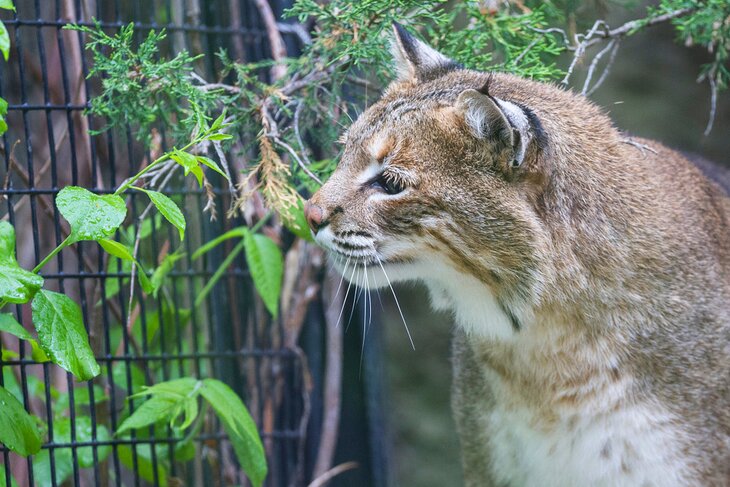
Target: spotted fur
x=589 y=277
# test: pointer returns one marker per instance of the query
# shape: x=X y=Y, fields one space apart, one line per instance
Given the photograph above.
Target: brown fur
x=619 y=253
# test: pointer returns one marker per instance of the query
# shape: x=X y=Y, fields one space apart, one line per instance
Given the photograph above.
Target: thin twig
x=298 y=160
x=713 y=100
x=607 y=69
x=296 y=29
x=333 y=472
x=594 y=64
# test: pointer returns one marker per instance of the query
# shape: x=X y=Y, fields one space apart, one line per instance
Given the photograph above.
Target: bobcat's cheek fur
x=589 y=277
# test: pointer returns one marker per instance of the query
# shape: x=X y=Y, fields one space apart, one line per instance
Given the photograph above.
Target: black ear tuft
x=415 y=60
x=484 y=90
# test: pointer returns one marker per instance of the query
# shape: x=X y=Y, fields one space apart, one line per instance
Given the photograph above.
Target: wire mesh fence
x=52 y=143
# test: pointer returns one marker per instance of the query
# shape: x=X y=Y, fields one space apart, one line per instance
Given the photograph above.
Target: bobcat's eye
x=388 y=183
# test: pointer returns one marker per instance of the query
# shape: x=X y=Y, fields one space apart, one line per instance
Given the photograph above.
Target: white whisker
x=396 y=302
x=354 y=302
x=342 y=278
x=344 y=300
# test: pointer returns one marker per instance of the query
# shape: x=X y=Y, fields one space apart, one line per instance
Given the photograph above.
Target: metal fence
x=49 y=146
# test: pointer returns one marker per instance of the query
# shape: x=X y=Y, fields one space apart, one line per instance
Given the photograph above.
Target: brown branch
x=278 y=48
x=600 y=31
x=330 y=474
x=333 y=380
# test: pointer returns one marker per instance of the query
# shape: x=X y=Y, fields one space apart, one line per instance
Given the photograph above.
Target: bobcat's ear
x=415 y=60
x=490 y=117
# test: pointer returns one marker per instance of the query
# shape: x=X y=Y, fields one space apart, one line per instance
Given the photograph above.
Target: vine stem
x=53 y=253
x=164 y=157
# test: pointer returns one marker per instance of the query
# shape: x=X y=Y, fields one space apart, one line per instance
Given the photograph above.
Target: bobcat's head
x=440 y=181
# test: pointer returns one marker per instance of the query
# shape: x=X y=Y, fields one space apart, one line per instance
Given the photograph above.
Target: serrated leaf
x=62 y=335
x=7 y=5
x=213 y=165
x=92 y=217
x=4 y=41
x=9 y=324
x=18 y=429
x=240 y=428
x=266 y=265
x=116 y=249
x=169 y=210
x=16 y=284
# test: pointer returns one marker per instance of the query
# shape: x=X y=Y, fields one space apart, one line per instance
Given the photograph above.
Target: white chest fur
x=636 y=445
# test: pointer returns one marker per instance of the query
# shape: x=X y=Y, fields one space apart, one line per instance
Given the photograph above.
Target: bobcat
x=588 y=273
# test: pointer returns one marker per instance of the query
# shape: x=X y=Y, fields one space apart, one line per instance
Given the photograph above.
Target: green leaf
x=7 y=5
x=37 y=352
x=63 y=457
x=185 y=451
x=198 y=173
x=168 y=263
x=144 y=280
x=92 y=217
x=240 y=428
x=266 y=265
x=169 y=400
x=63 y=466
x=18 y=429
x=296 y=222
x=219 y=137
x=185 y=159
x=218 y=121
x=176 y=388
x=116 y=249
x=154 y=410
x=169 y=210
x=3 y=125
x=16 y=284
x=144 y=465
x=3 y=107
x=9 y=324
x=4 y=41
x=62 y=335
x=213 y=165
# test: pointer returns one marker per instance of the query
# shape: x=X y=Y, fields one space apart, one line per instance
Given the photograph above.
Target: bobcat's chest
x=632 y=445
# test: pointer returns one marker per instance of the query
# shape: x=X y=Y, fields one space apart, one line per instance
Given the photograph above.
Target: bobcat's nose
x=314 y=215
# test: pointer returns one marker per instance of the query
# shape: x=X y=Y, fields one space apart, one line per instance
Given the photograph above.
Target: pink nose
x=314 y=215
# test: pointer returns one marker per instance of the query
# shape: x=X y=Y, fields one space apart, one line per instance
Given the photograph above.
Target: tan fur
x=613 y=258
